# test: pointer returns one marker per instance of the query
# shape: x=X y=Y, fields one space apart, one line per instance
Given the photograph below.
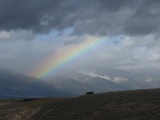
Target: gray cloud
x=131 y=53
x=85 y=16
x=145 y=20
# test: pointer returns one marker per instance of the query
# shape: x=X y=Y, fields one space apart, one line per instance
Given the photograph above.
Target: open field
x=21 y=110
x=124 y=105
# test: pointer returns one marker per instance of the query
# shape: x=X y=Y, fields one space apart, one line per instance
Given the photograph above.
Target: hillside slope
x=128 y=105
x=14 y=85
x=123 y=105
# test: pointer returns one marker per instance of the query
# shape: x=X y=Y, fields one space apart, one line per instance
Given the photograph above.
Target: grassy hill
x=124 y=105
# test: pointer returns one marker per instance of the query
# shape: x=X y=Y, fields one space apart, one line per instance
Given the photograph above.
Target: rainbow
x=56 y=62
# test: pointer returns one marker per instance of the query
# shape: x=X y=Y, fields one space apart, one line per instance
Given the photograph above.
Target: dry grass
x=127 y=105
x=21 y=110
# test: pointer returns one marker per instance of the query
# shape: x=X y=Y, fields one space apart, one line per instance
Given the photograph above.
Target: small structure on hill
x=29 y=99
x=89 y=93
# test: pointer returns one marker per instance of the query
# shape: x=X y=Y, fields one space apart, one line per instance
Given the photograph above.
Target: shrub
x=89 y=93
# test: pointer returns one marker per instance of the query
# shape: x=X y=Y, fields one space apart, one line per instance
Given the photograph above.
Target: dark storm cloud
x=133 y=17
x=24 y=14
x=145 y=19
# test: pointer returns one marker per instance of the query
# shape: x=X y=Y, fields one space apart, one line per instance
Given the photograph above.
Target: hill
x=102 y=80
x=122 y=105
x=72 y=83
x=14 y=85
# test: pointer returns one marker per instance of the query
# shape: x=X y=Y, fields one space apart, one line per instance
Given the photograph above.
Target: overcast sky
x=33 y=30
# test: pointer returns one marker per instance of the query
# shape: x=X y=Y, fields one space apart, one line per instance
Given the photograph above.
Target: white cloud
x=149 y=79
x=6 y=36
x=115 y=79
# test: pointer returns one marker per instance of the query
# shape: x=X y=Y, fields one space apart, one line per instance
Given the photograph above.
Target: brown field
x=124 y=105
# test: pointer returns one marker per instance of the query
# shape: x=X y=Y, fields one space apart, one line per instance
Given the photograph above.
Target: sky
x=33 y=32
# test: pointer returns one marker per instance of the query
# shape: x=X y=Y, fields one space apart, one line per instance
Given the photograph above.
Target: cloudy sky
x=31 y=31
